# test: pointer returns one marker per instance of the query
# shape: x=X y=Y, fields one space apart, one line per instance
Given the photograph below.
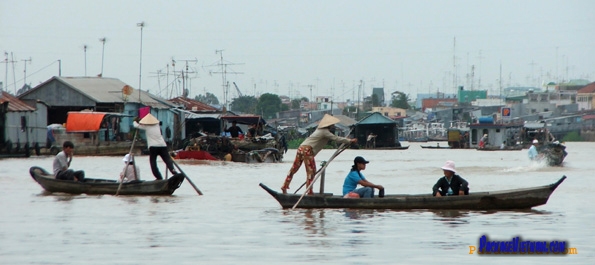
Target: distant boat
x=496 y=148
x=437 y=146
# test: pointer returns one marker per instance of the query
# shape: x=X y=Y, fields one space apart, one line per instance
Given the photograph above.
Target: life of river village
x=99 y=171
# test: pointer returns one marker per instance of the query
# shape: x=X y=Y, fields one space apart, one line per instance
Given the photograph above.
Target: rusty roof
x=14 y=104
x=193 y=105
x=590 y=88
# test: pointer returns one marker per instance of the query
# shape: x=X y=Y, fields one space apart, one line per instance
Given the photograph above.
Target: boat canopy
x=245 y=119
x=87 y=121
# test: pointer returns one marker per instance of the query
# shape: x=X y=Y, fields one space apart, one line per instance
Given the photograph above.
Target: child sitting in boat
x=131 y=171
x=451 y=184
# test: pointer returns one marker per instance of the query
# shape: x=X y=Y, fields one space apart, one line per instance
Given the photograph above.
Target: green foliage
x=400 y=100
x=268 y=105
x=284 y=107
x=572 y=137
x=349 y=110
x=208 y=98
x=244 y=104
x=295 y=103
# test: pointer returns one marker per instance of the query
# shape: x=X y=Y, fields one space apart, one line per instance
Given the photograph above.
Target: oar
x=343 y=147
x=127 y=162
x=186 y=176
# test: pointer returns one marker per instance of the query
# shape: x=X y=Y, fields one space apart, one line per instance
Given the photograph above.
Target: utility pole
x=25 y=71
x=85 y=46
x=140 y=67
x=102 y=40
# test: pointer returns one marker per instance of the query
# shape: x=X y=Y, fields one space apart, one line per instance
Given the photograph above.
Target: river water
x=236 y=222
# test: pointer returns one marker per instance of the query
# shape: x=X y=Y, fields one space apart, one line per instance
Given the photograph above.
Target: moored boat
x=437 y=146
x=524 y=198
x=105 y=186
x=506 y=148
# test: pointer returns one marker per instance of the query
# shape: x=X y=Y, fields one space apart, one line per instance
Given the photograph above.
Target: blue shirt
x=351 y=181
x=532 y=152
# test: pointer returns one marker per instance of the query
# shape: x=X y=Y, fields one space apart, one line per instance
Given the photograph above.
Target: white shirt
x=128 y=175
x=153 y=133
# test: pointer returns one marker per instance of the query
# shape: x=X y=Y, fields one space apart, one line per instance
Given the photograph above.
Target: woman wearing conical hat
x=157 y=146
x=310 y=147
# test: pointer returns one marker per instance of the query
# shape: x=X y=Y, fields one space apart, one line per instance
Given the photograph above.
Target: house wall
x=56 y=94
x=35 y=128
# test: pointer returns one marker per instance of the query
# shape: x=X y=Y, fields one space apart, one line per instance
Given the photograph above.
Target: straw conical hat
x=149 y=120
x=327 y=121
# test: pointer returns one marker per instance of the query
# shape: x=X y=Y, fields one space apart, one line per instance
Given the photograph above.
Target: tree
x=268 y=105
x=295 y=103
x=244 y=104
x=350 y=111
x=400 y=100
x=208 y=98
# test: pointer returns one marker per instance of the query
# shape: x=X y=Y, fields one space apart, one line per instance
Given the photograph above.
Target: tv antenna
x=25 y=71
x=225 y=69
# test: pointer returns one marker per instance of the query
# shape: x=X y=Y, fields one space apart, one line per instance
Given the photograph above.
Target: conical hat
x=327 y=121
x=149 y=120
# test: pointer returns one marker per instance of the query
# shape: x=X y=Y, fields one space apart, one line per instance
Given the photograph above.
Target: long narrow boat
x=493 y=200
x=497 y=148
x=105 y=186
x=437 y=146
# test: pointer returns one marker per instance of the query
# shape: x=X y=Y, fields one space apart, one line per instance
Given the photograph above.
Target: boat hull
x=104 y=186
x=495 y=200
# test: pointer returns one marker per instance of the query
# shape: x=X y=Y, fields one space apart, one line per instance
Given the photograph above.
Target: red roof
x=193 y=105
x=14 y=104
x=589 y=117
x=590 y=88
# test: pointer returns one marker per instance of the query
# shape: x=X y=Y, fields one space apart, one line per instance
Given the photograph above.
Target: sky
x=306 y=48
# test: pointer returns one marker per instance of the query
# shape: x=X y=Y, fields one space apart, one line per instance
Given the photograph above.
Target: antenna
x=223 y=65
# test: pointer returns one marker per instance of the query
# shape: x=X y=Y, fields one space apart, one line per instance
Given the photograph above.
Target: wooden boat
x=105 y=186
x=392 y=148
x=496 y=148
x=493 y=200
x=437 y=146
x=553 y=153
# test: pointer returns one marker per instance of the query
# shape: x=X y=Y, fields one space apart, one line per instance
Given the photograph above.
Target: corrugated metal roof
x=109 y=90
x=14 y=104
x=376 y=118
x=193 y=105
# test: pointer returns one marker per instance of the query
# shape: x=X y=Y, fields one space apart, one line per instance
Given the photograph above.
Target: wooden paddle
x=186 y=176
x=128 y=162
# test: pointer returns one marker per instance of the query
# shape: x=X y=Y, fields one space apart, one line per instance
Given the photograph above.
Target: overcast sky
x=328 y=47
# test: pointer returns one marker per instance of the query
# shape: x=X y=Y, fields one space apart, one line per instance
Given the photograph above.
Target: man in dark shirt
x=234 y=130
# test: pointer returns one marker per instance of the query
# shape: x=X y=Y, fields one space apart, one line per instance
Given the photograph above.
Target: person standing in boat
x=234 y=130
x=483 y=141
x=131 y=171
x=62 y=164
x=310 y=148
x=533 y=155
x=355 y=177
x=156 y=143
x=451 y=184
